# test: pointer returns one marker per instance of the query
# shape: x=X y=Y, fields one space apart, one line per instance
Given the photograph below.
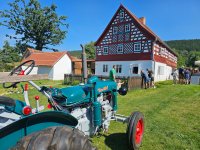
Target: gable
x=128 y=38
x=139 y=34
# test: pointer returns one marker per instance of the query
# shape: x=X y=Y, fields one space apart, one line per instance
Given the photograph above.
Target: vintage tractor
x=78 y=112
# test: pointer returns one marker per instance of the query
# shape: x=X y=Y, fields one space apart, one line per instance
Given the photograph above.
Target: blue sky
x=169 y=19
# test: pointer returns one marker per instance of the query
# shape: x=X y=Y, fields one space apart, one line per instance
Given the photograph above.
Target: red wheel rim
x=139 y=131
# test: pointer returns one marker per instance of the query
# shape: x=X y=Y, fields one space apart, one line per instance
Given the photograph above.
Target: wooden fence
x=130 y=82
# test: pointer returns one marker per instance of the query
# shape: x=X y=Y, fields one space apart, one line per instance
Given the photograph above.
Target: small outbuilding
x=55 y=64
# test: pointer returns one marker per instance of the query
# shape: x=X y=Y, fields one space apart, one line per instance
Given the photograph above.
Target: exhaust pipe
x=84 y=64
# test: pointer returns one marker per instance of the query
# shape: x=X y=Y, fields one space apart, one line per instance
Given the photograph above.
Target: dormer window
x=115 y=30
x=121 y=14
x=127 y=27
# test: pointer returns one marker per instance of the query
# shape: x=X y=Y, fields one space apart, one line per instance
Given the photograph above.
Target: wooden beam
x=23 y=78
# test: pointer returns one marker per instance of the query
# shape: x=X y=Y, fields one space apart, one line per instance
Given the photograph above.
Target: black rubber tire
x=131 y=130
x=55 y=138
x=7 y=101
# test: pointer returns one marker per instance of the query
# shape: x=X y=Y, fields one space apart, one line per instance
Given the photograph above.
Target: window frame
x=118 y=68
x=105 y=67
x=138 y=50
x=105 y=47
x=121 y=48
x=127 y=26
x=161 y=70
x=115 y=30
x=134 y=66
x=121 y=15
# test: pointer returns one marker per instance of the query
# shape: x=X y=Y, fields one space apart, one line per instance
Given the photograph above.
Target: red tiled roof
x=138 y=21
x=31 y=50
x=45 y=58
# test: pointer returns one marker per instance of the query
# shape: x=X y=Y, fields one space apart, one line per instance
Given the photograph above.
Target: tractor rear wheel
x=55 y=138
x=135 y=130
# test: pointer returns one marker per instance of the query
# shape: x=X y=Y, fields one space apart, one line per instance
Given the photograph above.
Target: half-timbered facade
x=130 y=45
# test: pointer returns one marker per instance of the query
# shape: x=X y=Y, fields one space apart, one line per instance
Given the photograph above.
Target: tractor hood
x=71 y=95
x=83 y=93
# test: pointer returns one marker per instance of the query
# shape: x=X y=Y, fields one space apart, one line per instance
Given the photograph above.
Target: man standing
x=112 y=73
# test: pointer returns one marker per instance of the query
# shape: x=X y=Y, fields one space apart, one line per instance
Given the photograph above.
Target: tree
x=33 y=24
x=193 y=56
x=90 y=50
x=8 y=56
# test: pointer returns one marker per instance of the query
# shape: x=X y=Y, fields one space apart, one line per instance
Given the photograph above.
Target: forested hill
x=188 y=45
x=188 y=51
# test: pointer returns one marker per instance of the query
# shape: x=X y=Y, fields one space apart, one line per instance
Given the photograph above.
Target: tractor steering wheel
x=19 y=71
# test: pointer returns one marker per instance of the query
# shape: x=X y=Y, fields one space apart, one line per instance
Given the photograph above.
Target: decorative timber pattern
x=128 y=38
x=123 y=31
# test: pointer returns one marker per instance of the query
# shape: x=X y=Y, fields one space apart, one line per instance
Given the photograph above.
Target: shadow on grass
x=117 y=141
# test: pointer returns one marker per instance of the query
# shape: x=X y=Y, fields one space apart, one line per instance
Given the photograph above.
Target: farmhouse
x=55 y=64
x=130 y=45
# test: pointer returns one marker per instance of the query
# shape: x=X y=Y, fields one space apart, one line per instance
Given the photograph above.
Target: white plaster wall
x=46 y=70
x=126 y=67
x=63 y=66
x=34 y=71
x=167 y=72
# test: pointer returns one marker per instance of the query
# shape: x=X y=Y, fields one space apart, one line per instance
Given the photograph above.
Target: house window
x=105 y=68
x=120 y=48
x=160 y=70
x=137 y=47
x=118 y=68
x=161 y=51
x=121 y=14
x=127 y=27
x=115 y=30
x=105 y=50
x=135 y=70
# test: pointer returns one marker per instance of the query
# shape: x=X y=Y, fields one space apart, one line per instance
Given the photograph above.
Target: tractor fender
x=12 y=133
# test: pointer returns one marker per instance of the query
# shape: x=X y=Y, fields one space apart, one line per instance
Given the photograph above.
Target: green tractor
x=78 y=112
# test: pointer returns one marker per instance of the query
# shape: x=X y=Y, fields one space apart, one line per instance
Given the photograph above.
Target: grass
x=172 y=117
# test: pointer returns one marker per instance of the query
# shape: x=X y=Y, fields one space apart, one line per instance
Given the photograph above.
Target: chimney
x=143 y=20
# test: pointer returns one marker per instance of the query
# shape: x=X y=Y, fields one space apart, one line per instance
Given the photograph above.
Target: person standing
x=151 y=77
x=112 y=73
x=145 y=79
x=175 y=76
x=187 y=76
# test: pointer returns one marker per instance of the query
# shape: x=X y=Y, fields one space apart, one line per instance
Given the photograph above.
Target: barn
x=129 y=44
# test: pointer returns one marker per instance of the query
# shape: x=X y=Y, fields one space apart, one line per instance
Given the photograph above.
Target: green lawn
x=172 y=117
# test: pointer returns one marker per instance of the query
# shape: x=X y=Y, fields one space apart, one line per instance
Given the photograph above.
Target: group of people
x=182 y=75
x=147 y=78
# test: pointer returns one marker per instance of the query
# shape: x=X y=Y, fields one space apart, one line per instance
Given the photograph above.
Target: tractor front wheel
x=55 y=138
x=135 y=130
